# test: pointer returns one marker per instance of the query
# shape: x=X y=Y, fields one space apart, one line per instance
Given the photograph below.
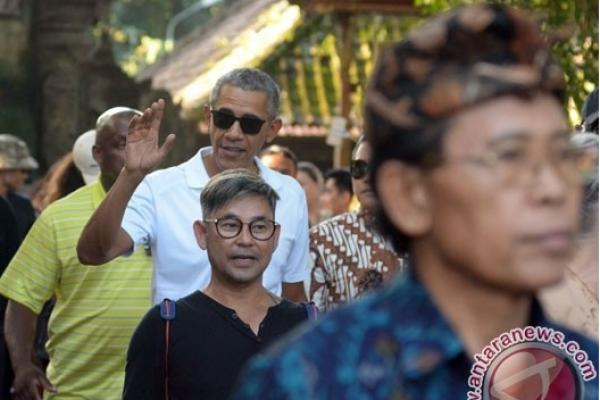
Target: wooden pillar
x=342 y=152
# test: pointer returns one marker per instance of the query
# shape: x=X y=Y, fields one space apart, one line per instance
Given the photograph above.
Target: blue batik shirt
x=394 y=344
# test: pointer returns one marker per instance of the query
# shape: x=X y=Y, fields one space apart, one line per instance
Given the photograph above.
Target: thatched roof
x=246 y=35
x=300 y=51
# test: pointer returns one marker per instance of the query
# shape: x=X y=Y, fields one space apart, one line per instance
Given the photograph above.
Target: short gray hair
x=233 y=184
x=250 y=79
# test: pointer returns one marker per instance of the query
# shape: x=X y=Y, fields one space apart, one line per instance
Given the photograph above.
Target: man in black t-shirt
x=199 y=353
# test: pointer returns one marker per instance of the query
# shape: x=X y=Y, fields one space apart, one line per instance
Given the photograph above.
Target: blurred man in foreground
x=477 y=178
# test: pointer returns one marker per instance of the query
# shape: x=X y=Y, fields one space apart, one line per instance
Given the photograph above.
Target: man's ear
x=404 y=197
x=207 y=114
x=200 y=233
x=274 y=127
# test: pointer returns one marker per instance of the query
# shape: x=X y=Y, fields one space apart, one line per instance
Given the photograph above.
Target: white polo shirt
x=162 y=212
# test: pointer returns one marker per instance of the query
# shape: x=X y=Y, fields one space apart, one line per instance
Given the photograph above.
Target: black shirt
x=209 y=345
x=9 y=234
x=24 y=212
x=9 y=243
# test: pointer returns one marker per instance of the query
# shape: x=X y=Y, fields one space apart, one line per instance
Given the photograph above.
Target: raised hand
x=29 y=384
x=143 y=152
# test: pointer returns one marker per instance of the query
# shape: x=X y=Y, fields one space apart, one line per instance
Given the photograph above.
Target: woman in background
x=311 y=180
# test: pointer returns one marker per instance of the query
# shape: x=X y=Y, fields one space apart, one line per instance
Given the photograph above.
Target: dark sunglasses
x=359 y=169
x=250 y=124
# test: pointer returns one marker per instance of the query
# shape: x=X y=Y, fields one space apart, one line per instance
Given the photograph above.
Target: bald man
x=97 y=309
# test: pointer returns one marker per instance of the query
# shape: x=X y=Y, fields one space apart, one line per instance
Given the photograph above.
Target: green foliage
x=308 y=63
x=578 y=55
x=307 y=66
x=138 y=28
x=16 y=92
x=148 y=16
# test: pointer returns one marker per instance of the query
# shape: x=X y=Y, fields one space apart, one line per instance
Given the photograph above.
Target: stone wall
x=56 y=76
x=16 y=111
x=73 y=73
x=14 y=31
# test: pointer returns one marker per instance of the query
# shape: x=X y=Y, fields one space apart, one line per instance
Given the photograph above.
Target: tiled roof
x=303 y=130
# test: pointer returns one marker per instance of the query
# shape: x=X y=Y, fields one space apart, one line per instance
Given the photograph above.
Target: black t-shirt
x=209 y=345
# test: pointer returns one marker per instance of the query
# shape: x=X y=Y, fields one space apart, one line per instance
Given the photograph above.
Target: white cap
x=83 y=158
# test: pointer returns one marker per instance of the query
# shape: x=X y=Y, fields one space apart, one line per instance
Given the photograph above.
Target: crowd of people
x=246 y=273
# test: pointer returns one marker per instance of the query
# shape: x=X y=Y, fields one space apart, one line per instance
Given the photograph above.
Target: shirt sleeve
x=298 y=266
x=140 y=215
x=319 y=277
x=33 y=274
x=144 y=371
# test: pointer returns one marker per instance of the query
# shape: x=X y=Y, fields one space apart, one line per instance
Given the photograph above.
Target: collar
x=194 y=169
x=196 y=175
x=428 y=340
x=98 y=192
x=537 y=316
x=426 y=337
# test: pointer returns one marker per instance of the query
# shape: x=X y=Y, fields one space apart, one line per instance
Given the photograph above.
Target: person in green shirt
x=97 y=309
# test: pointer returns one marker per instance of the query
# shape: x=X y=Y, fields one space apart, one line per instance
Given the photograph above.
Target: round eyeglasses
x=519 y=164
x=230 y=227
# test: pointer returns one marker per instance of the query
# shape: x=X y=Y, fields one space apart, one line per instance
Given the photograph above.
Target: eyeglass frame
x=241 y=120
x=242 y=224
x=491 y=158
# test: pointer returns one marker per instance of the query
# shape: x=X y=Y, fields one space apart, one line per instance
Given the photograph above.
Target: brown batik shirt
x=348 y=258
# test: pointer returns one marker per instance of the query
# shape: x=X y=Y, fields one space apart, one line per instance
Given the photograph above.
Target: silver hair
x=250 y=79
